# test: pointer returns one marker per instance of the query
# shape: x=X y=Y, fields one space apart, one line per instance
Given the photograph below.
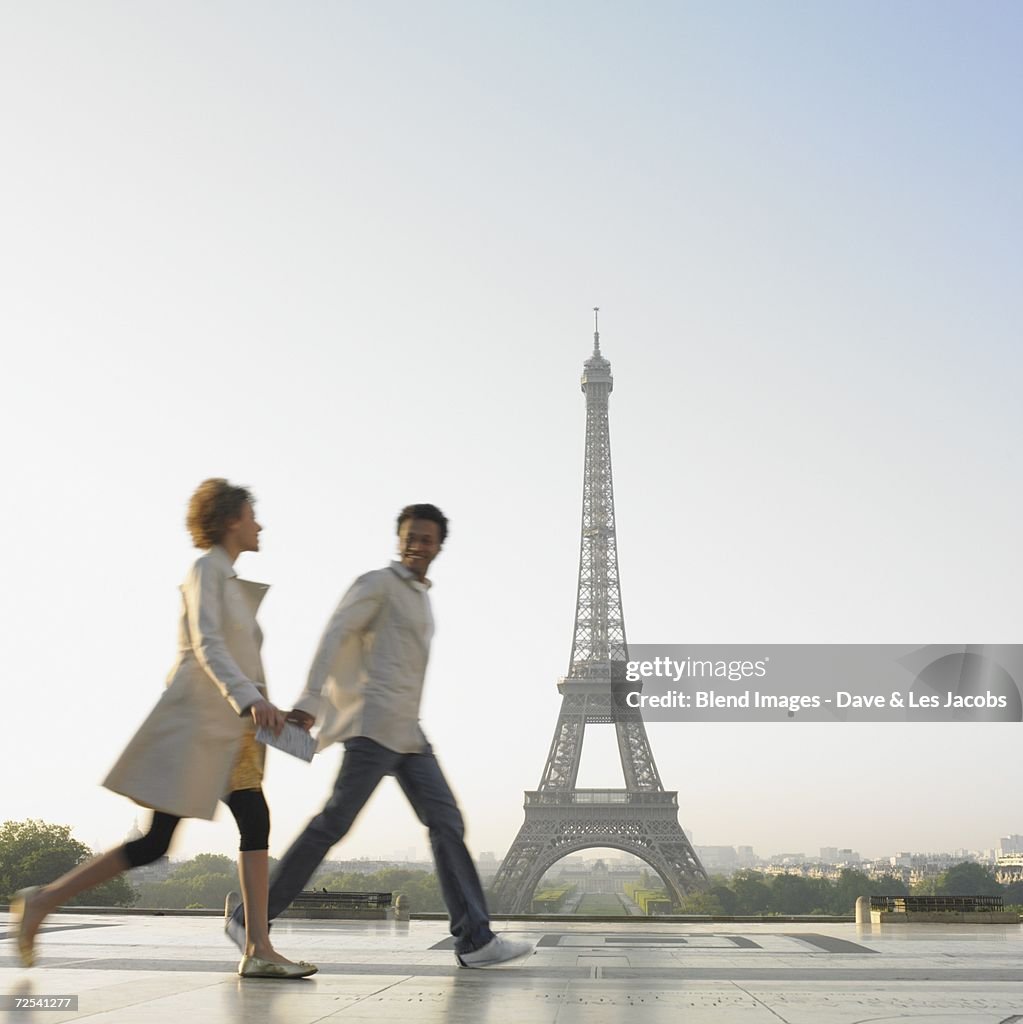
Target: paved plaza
x=173 y=970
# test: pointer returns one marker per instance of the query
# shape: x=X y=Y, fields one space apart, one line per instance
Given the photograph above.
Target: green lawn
x=605 y=904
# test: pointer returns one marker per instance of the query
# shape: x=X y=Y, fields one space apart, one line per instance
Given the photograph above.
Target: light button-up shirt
x=367 y=675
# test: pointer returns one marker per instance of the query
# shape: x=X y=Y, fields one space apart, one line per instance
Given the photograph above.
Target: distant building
x=487 y=864
x=599 y=876
x=1009 y=845
x=718 y=860
x=783 y=860
x=921 y=867
x=1009 y=868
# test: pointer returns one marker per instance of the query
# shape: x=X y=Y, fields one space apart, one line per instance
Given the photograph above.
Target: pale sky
x=346 y=254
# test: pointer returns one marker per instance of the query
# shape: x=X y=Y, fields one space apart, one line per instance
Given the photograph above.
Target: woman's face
x=244 y=531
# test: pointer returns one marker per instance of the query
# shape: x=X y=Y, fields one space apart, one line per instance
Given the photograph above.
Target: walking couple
x=198 y=744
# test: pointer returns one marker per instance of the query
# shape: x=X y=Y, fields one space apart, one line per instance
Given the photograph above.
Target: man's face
x=418 y=544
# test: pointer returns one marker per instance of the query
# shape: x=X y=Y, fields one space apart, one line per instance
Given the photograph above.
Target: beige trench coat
x=180 y=759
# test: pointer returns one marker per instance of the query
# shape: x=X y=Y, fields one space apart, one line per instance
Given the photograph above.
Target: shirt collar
x=407 y=574
x=223 y=557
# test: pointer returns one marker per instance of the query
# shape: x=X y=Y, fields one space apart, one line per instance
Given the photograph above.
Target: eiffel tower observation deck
x=561 y=819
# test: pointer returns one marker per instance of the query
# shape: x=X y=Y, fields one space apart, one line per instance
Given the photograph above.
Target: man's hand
x=266 y=714
x=302 y=719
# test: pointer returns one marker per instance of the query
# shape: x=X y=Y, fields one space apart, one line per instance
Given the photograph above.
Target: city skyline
x=423 y=857
x=366 y=239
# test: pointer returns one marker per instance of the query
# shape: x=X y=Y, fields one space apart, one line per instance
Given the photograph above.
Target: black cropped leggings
x=250 y=812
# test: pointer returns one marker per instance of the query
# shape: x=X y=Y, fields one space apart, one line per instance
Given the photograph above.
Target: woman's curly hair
x=214 y=504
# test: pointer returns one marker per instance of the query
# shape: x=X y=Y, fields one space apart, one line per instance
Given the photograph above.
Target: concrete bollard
x=863 y=912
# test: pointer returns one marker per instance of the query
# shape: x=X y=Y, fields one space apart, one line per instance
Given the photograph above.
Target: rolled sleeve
x=353 y=614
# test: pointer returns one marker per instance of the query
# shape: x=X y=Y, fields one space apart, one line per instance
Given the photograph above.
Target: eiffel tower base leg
x=556 y=825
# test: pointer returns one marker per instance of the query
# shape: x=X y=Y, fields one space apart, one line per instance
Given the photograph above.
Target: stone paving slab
x=174 y=970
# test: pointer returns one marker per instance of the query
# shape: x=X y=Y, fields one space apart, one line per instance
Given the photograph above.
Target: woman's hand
x=265 y=714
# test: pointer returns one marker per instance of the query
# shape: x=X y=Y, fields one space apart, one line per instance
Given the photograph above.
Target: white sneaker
x=497 y=951
x=233 y=928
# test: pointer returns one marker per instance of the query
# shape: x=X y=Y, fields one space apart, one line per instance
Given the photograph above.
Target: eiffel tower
x=560 y=819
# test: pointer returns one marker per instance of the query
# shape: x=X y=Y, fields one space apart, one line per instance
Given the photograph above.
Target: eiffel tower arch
x=642 y=818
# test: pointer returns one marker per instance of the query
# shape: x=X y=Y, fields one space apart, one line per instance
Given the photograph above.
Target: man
x=365 y=686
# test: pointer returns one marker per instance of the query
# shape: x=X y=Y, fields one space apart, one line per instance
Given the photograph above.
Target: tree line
x=753 y=892
x=34 y=852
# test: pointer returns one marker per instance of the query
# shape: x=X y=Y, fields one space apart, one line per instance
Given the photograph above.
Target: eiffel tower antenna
x=560 y=818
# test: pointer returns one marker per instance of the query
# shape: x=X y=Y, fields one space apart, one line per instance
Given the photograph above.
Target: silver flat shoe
x=257 y=967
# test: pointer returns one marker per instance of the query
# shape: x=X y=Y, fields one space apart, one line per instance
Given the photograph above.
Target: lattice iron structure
x=560 y=819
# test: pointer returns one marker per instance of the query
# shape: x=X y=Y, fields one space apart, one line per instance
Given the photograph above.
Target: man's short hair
x=428 y=512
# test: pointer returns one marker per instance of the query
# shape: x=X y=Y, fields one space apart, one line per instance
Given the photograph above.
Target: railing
x=312 y=899
x=576 y=797
x=954 y=904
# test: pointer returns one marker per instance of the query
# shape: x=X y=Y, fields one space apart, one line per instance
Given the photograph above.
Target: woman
x=198 y=744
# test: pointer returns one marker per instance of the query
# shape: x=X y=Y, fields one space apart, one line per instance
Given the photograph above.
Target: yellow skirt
x=247 y=771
